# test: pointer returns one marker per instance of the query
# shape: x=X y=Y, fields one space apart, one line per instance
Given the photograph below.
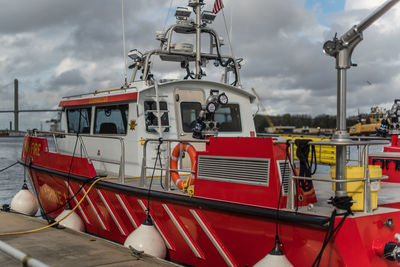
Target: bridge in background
x=16 y=109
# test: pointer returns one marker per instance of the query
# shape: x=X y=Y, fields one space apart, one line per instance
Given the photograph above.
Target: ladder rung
x=154 y=110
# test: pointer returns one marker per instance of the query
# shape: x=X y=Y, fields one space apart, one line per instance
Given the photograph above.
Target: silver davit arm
x=353 y=36
x=341 y=49
x=365 y=23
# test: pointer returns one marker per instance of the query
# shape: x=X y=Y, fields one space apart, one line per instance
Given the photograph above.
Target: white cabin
x=125 y=117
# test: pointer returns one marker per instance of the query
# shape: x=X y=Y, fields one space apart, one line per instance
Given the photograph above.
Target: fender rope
x=69 y=213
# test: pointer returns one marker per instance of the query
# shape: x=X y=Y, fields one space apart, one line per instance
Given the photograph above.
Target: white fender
x=146 y=238
x=73 y=221
x=274 y=258
x=25 y=202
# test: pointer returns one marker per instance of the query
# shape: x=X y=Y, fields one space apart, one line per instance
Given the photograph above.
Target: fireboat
x=181 y=157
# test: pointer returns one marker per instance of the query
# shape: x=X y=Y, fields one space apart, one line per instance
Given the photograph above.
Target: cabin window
x=79 y=120
x=228 y=116
x=189 y=113
x=150 y=114
x=111 y=119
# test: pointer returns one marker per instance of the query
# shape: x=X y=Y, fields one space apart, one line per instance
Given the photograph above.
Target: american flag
x=218 y=5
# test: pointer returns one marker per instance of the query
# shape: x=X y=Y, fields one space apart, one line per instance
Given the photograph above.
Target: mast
x=196 y=4
x=185 y=53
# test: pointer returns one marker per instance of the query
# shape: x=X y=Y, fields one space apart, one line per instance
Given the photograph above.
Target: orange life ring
x=180 y=183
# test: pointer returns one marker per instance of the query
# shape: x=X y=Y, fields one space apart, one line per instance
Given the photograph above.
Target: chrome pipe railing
x=367 y=202
x=384 y=177
x=290 y=198
x=83 y=147
x=167 y=181
x=121 y=163
x=24 y=258
x=367 y=183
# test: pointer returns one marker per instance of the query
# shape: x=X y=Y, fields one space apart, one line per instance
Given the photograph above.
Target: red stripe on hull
x=76 y=199
x=129 y=212
x=113 y=210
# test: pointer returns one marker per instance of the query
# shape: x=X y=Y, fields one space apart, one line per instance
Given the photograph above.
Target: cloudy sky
x=57 y=48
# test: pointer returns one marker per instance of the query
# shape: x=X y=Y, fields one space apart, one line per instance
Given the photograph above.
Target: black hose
x=343 y=203
x=226 y=63
x=302 y=152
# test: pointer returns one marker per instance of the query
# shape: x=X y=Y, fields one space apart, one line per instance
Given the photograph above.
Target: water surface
x=12 y=179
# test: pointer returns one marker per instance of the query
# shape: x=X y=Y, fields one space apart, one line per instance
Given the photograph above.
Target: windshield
x=228 y=117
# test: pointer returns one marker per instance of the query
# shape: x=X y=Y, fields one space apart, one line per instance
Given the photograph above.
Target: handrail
x=121 y=162
x=17 y=254
x=160 y=52
x=349 y=142
x=384 y=177
x=367 y=207
x=167 y=181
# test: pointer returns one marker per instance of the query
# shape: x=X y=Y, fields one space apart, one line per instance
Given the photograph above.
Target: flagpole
x=227 y=32
x=198 y=40
x=218 y=5
x=230 y=46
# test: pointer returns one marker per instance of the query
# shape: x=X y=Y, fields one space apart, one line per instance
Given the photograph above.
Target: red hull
x=201 y=231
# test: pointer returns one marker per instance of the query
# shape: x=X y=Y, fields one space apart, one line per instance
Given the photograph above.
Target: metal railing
x=24 y=258
x=367 y=203
x=121 y=162
x=167 y=177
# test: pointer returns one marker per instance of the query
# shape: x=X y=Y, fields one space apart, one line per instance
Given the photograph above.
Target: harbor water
x=12 y=179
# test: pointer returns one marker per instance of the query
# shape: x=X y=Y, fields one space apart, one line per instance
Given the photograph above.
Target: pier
x=65 y=247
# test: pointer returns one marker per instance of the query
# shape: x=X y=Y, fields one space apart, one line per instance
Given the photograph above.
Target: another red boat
x=389 y=158
x=185 y=153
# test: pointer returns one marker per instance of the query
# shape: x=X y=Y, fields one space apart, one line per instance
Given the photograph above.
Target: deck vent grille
x=284 y=175
x=253 y=171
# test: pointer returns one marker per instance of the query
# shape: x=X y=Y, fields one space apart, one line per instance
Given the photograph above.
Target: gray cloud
x=59 y=48
x=68 y=78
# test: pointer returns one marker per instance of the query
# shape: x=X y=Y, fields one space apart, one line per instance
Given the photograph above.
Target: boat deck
x=65 y=247
x=388 y=192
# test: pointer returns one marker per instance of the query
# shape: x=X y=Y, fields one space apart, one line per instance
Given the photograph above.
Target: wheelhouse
x=125 y=116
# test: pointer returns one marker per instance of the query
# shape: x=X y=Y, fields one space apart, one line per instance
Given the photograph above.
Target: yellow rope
x=79 y=203
x=149 y=176
x=69 y=213
x=76 y=206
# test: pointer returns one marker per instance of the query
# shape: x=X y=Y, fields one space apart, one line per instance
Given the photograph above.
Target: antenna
x=123 y=42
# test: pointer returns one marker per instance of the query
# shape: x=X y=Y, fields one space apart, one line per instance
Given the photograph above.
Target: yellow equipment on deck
x=356 y=189
x=325 y=154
